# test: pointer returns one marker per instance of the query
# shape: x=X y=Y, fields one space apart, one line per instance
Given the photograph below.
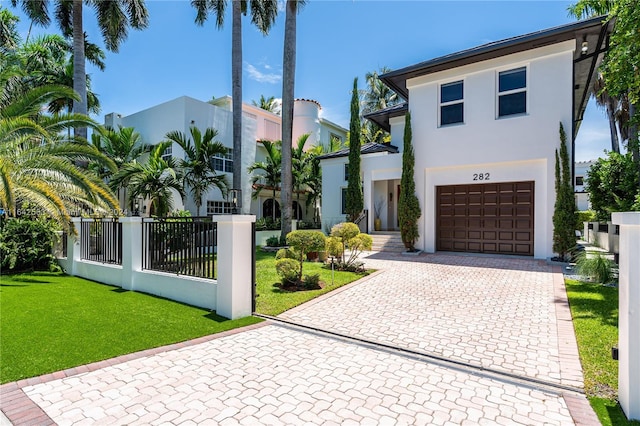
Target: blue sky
x=337 y=41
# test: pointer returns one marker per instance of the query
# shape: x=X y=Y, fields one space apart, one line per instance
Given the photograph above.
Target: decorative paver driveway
x=495 y=312
x=504 y=313
x=276 y=375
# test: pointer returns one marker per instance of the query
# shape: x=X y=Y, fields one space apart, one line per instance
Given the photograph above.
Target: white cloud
x=262 y=77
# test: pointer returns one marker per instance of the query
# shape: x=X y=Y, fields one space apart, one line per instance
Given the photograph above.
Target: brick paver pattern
x=277 y=375
x=496 y=313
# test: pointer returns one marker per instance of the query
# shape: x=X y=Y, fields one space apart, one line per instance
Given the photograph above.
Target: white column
x=629 y=314
x=235 y=267
x=131 y=250
x=73 y=246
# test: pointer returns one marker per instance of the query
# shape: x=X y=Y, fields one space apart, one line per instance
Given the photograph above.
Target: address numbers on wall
x=481 y=176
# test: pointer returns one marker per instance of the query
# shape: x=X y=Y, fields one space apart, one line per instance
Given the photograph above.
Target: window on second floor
x=168 y=153
x=512 y=92
x=579 y=180
x=223 y=162
x=344 y=200
x=272 y=130
x=346 y=172
x=452 y=103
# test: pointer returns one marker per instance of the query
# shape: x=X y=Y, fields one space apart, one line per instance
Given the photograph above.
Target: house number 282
x=481 y=176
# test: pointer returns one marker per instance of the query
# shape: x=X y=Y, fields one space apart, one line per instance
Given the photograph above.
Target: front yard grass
x=272 y=300
x=51 y=322
x=594 y=308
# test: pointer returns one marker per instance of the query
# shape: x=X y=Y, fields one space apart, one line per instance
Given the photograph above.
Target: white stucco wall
x=514 y=148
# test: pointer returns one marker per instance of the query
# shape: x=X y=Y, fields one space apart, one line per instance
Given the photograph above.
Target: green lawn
x=272 y=300
x=51 y=322
x=595 y=318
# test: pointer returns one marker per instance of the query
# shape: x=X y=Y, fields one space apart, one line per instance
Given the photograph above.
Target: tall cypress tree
x=354 y=200
x=564 y=215
x=408 y=204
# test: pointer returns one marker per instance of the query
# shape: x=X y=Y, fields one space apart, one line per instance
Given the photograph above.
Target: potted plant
x=377 y=208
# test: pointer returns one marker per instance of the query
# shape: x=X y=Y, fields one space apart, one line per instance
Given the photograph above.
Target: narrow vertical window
x=346 y=172
x=512 y=92
x=452 y=103
x=344 y=200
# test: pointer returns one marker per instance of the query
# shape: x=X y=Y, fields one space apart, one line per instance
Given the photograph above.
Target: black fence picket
x=101 y=240
x=182 y=246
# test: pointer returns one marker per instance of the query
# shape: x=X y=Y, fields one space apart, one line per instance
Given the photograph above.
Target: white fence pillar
x=629 y=314
x=131 y=250
x=235 y=268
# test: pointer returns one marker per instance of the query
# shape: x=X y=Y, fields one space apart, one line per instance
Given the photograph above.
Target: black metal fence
x=184 y=246
x=101 y=240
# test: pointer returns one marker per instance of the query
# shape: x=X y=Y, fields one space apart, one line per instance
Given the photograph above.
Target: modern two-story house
x=257 y=125
x=485 y=125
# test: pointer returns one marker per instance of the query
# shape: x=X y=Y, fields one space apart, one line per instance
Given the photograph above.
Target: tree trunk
x=79 y=72
x=634 y=143
x=236 y=92
x=288 y=82
x=613 y=129
x=273 y=206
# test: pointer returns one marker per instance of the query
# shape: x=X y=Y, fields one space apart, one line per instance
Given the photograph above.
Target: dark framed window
x=346 y=171
x=512 y=92
x=344 y=200
x=452 y=103
x=579 y=180
x=223 y=162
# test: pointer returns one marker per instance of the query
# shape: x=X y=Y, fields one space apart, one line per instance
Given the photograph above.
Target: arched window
x=267 y=209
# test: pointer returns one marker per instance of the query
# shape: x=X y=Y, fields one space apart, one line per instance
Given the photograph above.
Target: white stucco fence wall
x=229 y=295
x=629 y=314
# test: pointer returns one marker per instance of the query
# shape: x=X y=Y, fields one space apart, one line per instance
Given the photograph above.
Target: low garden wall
x=229 y=294
x=605 y=235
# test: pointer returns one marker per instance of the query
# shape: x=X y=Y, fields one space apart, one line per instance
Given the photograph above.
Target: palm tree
x=114 y=19
x=152 y=180
x=376 y=96
x=38 y=166
x=198 y=172
x=267 y=104
x=288 y=82
x=263 y=15
x=121 y=146
x=611 y=104
x=271 y=168
x=48 y=59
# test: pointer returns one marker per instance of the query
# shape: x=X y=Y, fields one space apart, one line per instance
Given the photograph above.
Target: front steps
x=387 y=241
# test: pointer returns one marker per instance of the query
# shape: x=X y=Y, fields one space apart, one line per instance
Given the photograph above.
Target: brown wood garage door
x=486 y=218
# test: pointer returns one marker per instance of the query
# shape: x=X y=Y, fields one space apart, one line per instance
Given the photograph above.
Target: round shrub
x=289 y=270
x=287 y=253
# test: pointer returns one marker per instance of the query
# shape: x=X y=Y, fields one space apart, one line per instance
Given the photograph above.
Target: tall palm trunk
x=236 y=91
x=288 y=81
x=613 y=129
x=79 y=72
x=273 y=205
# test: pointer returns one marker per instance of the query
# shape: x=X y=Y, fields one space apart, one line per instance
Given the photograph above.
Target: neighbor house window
x=579 y=180
x=512 y=92
x=346 y=171
x=333 y=138
x=451 y=103
x=272 y=130
x=344 y=200
x=218 y=207
x=168 y=153
x=223 y=162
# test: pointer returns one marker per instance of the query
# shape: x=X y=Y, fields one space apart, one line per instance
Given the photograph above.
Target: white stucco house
x=485 y=127
x=581 y=176
x=184 y=112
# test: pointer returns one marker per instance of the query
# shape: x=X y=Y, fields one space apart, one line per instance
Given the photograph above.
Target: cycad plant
x=38 y=166
x=271 y=169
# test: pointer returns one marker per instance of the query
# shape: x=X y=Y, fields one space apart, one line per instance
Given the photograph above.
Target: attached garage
x=486 y=218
